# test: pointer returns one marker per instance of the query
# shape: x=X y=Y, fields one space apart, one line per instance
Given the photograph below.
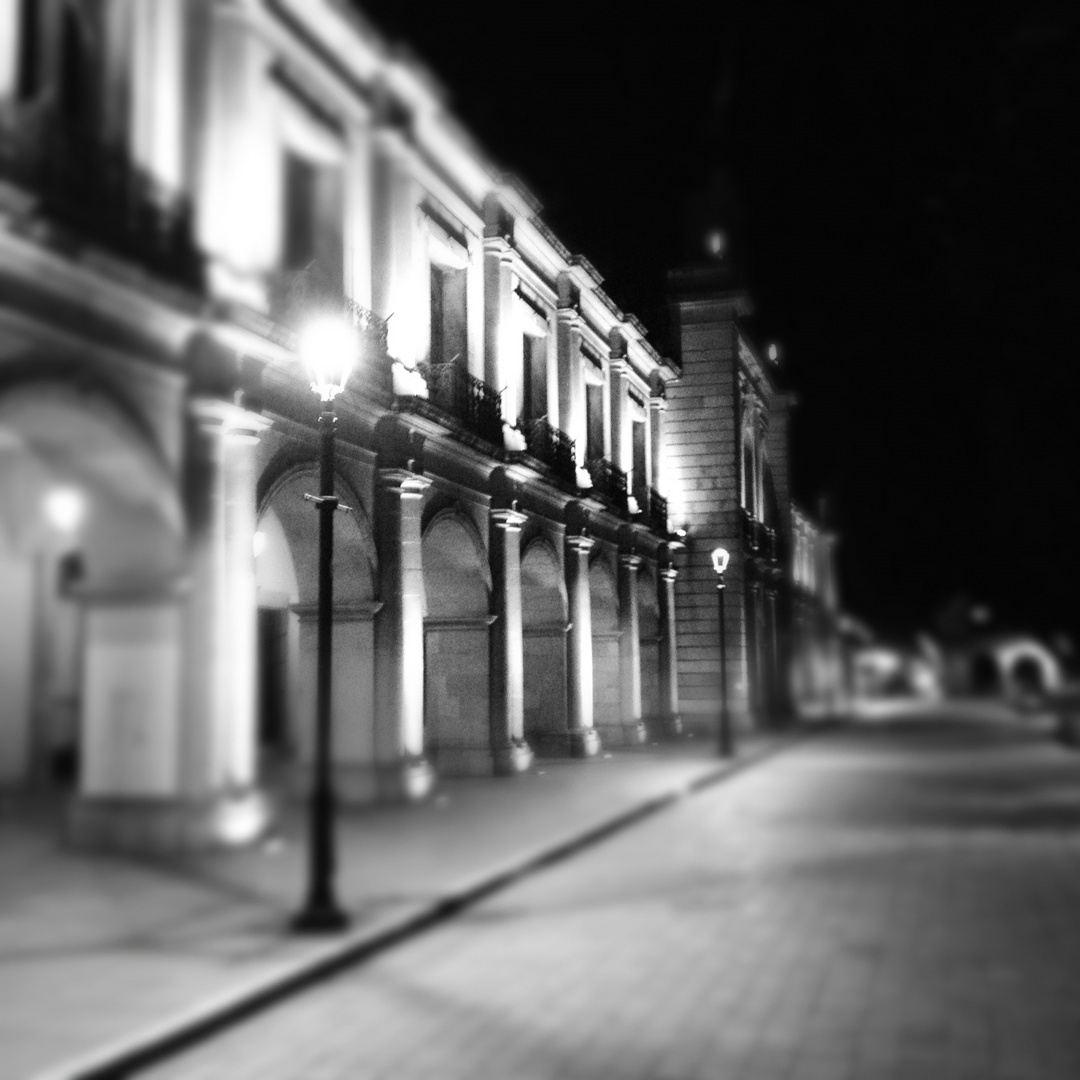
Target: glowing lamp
x=720 y=558
x=64 y=508
x=328 y=348
x=774 y=353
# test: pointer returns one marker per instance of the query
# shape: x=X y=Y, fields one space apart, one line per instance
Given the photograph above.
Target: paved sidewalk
x=891 y=900
x=100 y=955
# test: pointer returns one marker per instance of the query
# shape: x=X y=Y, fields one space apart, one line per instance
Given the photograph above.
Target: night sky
x=898 y=184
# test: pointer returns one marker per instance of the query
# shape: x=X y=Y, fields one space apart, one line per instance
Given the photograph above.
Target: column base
x=514 y=757
x=622 y=734
x=361 y=785
x=167 y=826
x=578 y=743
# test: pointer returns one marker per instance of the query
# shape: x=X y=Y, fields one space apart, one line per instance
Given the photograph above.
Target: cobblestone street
x=897 y=898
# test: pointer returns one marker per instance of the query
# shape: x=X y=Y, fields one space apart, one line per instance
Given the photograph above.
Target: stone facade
x=181 y=185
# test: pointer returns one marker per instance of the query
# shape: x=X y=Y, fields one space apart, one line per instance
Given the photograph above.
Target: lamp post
x=720 y=558
x=328 y=348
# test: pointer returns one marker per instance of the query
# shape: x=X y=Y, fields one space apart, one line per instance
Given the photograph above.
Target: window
x=594 y=421
x=534 y=377
x=312 y=236
x=638 y=447
x=449 y=332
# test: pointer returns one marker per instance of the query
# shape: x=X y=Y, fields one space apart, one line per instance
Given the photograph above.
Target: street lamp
x=328 y=348
x=720 y=559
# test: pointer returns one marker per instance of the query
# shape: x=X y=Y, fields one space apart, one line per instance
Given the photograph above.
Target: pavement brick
x=894 y=900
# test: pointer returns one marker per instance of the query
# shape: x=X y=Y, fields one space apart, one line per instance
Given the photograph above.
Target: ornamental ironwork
x=609 y=481
x=98 y=192
x=551 y=446
x=469 y=400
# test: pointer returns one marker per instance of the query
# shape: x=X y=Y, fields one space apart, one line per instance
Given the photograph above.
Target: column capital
x=497 y=245
x=569 y=316
x=630 y=561
x=659 y=404
x=511 y=520
x=580 y=542
x=669 y=573
x=402 y=481
x=618 y=365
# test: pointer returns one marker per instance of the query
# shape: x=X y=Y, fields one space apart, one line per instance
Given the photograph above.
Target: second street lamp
x=328 y=348
x=720 y=558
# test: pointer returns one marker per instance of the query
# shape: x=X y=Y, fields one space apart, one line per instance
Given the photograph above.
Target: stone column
x=619 y=389
x=401 y=769
x=632 y=729
x=669 y=658
x=571 y=386
x=510 y=752
x=584 y=740
x=499 y=319
x=157 y=96
x=657 y=407
x=170 y=675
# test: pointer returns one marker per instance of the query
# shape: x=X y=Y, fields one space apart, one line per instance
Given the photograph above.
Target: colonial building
x=727 y=447
x=182 y=182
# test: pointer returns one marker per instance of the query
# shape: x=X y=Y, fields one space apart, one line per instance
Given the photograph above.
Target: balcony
x=760 y=539
x=609 y=481
x=467 y=400
x=653 y=508
x=98 y=193
x=551 y=446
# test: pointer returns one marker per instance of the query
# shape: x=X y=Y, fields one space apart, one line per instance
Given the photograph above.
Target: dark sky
x=899 y=186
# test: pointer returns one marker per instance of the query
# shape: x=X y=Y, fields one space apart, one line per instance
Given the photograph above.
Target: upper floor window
x=29 y=78
x=639 y=444
x=534 y=403
x=312 y=229
x=449 y=332
x=594 y=408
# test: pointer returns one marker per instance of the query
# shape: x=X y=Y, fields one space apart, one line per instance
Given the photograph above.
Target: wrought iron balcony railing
x=609 y=481
x=100 y=194
x=652 y=506
x=760 y=539
x=469 y=400
x=553 y=447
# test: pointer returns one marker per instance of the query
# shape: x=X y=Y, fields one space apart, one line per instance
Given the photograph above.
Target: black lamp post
x=725 y=745
x=329 y=350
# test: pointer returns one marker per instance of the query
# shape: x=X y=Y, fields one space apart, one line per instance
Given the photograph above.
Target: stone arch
x=457 y=587
x=90 y=600
x=544 y=626
x=604 y=602
x=649 y=637
x=286 y=572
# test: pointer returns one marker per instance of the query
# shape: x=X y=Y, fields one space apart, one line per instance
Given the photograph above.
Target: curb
x=152 y=1045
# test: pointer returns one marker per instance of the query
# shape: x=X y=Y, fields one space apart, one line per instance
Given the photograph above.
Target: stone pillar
x=170 y=680
x=632 y=729
x=239 y=182
x=499 y=320
x=619 y=389
x=584 y=740
x=571 y=386
x=510 y=752
x=10 y=36
x=157 y=96
x=401 y=768
x=669 y=665
x=657 y=407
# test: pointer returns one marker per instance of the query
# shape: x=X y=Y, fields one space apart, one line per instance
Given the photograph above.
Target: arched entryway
x=457 y=586
x=649 y=636
x=91 y=624
x=544 y=624
x=286 y=571
x=607 y=698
